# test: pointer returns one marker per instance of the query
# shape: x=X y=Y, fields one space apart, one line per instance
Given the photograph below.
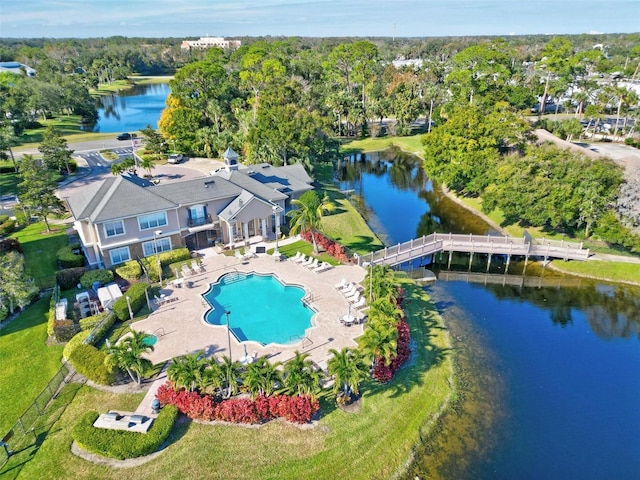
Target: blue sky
x=317 y=18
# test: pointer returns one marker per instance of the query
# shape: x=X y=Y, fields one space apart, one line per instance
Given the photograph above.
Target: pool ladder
x=234 y=277
x=159 y=332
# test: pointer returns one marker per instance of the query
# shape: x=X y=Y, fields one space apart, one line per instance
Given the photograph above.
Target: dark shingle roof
x=247 y=182
x=287 y=179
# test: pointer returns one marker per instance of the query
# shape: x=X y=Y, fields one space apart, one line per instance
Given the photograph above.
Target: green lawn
x=602 y=270
x=372 y=443
x=40 y=251
x=26 y=363
x=8 y=182
x=346 y=226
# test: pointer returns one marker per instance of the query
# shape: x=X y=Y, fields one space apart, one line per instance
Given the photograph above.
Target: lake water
x=549 y=377
x=130 y=110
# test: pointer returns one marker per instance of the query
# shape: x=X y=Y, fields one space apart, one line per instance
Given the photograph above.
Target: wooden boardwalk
x=490 y=245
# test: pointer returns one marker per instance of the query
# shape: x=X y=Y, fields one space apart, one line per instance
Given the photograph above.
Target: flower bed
x=296 y=409
x=332 y=248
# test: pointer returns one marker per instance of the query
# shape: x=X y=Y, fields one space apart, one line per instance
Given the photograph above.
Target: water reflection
x=131 y=109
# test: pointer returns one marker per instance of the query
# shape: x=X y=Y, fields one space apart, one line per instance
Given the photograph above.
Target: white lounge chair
x=343 y=283
x=355 y=298
x=195 y=266
x=308 y=262
x=322 y=267
x=240 y=256
x=360 y=304
x=296 y=257
x=302 y=258
x=313 y=265
x=186 y=271
x=350 y=290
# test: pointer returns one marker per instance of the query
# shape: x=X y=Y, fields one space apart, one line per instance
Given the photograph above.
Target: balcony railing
x=196 y=222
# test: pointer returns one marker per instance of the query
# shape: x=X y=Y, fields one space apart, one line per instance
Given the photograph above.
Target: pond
x=130 y=110
x=548 y=376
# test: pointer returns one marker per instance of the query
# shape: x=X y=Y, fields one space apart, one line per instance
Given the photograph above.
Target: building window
x=112 y=229
x=162 y=244
x=119 y=255
x=152 y=221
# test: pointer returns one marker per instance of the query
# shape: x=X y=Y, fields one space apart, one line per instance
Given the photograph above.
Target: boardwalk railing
x=485 y=244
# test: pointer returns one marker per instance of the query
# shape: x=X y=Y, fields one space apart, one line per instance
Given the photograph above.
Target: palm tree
x=349 y=368
x=187 y=371
x=261 y=377
x=126 y=165
x=380 y=280
x=211 y=376
x=300 y=377
x=147 y=164
x=127 y=355
x=380 y=340
x=231 y=372
x=308 y=214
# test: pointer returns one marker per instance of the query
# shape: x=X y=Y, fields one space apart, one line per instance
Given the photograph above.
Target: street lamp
x=227 y=313
x=370 y=265
x=277 y=227
x=155 y=248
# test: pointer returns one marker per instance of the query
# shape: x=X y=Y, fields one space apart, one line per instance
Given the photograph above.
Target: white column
x=263 y=227
x=230 y=232
x=245 y=231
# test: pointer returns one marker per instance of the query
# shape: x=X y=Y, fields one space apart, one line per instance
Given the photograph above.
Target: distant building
x=209 y=42
x=15 y=67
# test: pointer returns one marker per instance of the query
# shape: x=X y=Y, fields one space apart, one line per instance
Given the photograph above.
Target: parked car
x=175 y=158
x=126 y=136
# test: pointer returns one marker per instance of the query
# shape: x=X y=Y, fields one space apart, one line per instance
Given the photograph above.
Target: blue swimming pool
x=262 y=308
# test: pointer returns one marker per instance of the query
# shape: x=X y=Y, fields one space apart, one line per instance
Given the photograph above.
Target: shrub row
x=88 y=323
x=90 y=362
x=67 y=258
x=69 y=277
x=383 y=369
x=120 y=444
x=72 y=344
x=331 y=247
x=55 y=295
x=137 y=298
x=7 y=225
x=10 y=244
x=632 y=142
x=102 y=276
x=296 y=409
x=130 y=270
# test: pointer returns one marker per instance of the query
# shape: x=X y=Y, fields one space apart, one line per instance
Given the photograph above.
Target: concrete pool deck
x=181 y=329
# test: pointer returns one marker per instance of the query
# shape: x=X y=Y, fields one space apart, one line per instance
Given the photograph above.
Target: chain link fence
x=23 y=434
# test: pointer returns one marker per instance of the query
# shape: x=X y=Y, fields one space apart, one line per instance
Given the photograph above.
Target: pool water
x=262 y=308
x=150 y=340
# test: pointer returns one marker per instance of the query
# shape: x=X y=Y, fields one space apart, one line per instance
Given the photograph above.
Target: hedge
x=120 y=444
x=67 y=258
x=7 y=226
x=130 y=270
x=69 y=277
x=88 y=323
x=102 y=276
x=166 y=258
x=72 y=344
x=137 y=298
x=55 y=295
x=90 y=362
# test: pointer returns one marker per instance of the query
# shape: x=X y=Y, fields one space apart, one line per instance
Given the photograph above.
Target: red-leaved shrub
x=297 y=409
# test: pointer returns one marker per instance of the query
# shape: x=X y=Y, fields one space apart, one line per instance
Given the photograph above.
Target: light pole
x=370 y=265
x=277 y=227
x=155 y=248
x=227 y=313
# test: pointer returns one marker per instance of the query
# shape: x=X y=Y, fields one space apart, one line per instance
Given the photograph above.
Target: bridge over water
x=490 y=245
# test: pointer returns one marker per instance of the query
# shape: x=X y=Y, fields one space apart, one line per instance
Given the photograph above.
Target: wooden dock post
x=488 y=262
x=449 y=264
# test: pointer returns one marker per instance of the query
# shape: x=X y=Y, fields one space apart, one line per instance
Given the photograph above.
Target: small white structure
x=109 y=294
x=209 y=42
x=61 y=309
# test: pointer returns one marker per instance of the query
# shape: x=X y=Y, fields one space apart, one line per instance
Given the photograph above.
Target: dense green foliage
x=67 y=258
x=16 y=289
x=137 y=298
x=71 y=345
x=69 y=278
x=120 y=444
x=101 y=276
x=91 y=362
x=130 y=270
